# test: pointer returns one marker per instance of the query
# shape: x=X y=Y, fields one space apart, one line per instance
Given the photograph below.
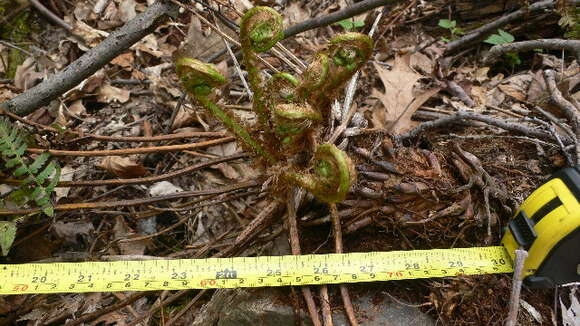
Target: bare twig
x=50 y=15
x=520 y=259
x=569 y=109
x=10 y=45
x=143 y=180
x=237 y=65
x=160 y=304
x=465 y=116
x=351 y=11
x=325 y=303
x=497 y=51
x=117 y=42
x=133 y=202
x=94 y=315
x=130 y=151
x=251 y=230
x=485 y=30
x=139 y=139
x=186 y=308
x=295 y=246
x=339 y=249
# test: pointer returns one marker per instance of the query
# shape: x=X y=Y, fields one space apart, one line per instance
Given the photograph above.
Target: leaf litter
x=136 y=94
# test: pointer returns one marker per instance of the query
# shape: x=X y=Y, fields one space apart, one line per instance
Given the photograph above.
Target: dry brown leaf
x=91 y=36
x=122 y=231
x=163 y=188
x=537 y=92
x=108 y=94
x=26 y=75
x=495 y=97
x=479 y=95
x=295 y=13
x=184 y=117
x=398 y=98
x=513 y=91
x=123 y=167
x=404 y=123
x=77 y=108
x=517 y=86
x=422 y=62
x=124 y=60
x=70 y=231
x=148 y=44
x=126 y=10
x=66 y=174
x=199 y=45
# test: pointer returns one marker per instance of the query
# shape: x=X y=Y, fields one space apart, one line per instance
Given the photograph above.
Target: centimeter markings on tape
x=237 y=272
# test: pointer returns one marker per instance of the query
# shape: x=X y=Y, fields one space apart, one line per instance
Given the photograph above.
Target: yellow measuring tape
x=237 y=272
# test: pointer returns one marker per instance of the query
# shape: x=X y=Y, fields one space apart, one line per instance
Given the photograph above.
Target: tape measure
x=547 y=225
x=237 y=272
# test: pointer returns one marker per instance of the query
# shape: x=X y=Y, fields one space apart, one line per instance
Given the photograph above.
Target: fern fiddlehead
x=332 y=175
x=289 y=112
x=200 y=79
x=332 y=68
x=260 y=29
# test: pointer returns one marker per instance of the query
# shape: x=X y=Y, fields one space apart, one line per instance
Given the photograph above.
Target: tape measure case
x=548 y=226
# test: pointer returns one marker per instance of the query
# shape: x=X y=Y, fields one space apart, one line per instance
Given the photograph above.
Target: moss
x=18 y=30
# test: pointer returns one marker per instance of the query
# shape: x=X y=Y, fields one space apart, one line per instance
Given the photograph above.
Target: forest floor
x=447 y=141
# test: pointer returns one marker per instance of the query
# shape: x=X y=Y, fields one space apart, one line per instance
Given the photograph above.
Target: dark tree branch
x=356 y=9
x=117 y=42
x=50 y=15
x=466 y=116
x=485 y=30
x=550 y=44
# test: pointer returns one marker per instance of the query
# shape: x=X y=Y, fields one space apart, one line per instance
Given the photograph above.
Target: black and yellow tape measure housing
x=547 y=225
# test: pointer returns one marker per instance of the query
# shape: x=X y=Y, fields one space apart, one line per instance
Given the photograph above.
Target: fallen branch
x=295 y=247
x=50 y=15
x=569 y=109
x=485 y=30
x=130 y=151
x=117 y=42
x=463 y=116
x=356 y=9
x=133 y=202
x=514 y=304
x=339 y=250
x=143 y=180
x=550 y=44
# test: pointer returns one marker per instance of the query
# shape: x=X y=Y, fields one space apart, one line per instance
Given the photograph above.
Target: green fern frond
x=34 y=186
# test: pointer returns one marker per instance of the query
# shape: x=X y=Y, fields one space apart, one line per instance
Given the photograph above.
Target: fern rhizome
x=34 y=173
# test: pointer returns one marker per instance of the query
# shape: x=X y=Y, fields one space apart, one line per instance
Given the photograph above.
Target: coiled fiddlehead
x=200 y=79
x=260 y=29
x=290 y=116
x=289 y=112
x=331 y=68
x=332 y=176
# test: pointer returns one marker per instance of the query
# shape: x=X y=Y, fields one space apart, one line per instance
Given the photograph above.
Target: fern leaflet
x=34 y=186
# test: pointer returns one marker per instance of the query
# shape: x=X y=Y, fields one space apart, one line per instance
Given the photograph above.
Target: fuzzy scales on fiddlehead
x=289 y=110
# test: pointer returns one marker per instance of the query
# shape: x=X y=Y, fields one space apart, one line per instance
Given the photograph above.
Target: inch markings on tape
x=213 y=273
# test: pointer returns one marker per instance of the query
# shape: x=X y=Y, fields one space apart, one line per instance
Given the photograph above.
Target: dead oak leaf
x=124 y=60
x=399 y=99
x=123 y=167
x=108 y=94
